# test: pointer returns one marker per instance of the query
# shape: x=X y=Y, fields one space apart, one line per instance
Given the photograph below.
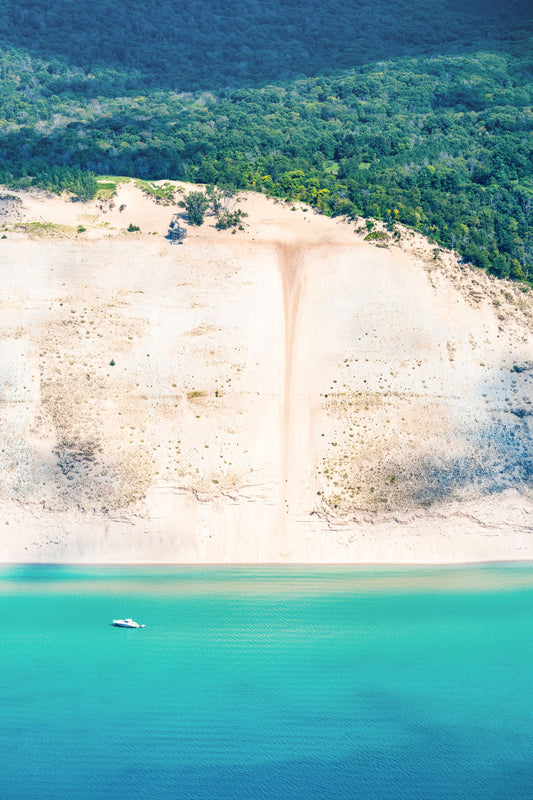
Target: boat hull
x=122 y=623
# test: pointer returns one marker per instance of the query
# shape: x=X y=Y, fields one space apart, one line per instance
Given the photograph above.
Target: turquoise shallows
x=270 y=683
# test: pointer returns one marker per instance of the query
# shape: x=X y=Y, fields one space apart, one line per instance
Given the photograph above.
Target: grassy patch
x=377 y=236
x=106 y=190
x=163 y=194
x=45 y=229
x=380 y=238
x=108 y=185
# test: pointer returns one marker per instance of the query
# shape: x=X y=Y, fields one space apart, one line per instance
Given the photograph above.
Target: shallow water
x=311 y=683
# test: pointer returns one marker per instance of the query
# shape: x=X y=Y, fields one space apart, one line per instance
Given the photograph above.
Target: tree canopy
x=415 y=112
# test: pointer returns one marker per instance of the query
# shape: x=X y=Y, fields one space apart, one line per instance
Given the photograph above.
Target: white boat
x=126 y=623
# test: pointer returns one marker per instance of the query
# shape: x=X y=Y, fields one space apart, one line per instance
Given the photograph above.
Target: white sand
x=287 y=393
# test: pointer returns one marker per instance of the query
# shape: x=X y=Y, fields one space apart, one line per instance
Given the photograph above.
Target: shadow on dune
x=462 y=449
x=498 y=452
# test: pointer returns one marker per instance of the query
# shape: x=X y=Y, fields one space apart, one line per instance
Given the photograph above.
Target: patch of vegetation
x=44 y=229
x=231 y=219
x=132 y=228
x=38 y=174
x=381 y=238
x=164 y=193
x=106 y=189
x=195 y=204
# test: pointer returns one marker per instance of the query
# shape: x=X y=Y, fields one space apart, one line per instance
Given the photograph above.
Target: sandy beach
x=287 y=393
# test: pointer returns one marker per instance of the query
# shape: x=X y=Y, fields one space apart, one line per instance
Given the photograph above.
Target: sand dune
x=287 y=393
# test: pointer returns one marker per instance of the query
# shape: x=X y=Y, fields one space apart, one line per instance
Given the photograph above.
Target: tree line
x=439 y=142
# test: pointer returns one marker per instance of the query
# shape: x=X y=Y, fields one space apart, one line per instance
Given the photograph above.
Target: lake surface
x=269 y=683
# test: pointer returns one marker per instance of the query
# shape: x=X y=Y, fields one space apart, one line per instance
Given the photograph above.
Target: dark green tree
x=196 y=204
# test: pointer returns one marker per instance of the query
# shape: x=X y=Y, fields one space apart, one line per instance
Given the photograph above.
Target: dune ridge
x=291 y=393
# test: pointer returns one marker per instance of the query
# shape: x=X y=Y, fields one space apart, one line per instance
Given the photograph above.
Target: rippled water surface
x=296 y=683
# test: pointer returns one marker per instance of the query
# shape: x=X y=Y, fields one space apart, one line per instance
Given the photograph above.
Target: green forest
x=418 y=113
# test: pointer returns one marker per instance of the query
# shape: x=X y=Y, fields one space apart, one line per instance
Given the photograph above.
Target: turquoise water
x=267 y=683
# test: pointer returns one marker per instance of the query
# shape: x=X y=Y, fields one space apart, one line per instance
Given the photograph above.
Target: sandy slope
x=290 y=392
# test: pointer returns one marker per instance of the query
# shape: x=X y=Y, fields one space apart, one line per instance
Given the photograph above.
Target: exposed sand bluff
x=291 y=393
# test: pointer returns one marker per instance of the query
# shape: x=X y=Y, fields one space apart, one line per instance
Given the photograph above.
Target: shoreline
x=272 y=564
